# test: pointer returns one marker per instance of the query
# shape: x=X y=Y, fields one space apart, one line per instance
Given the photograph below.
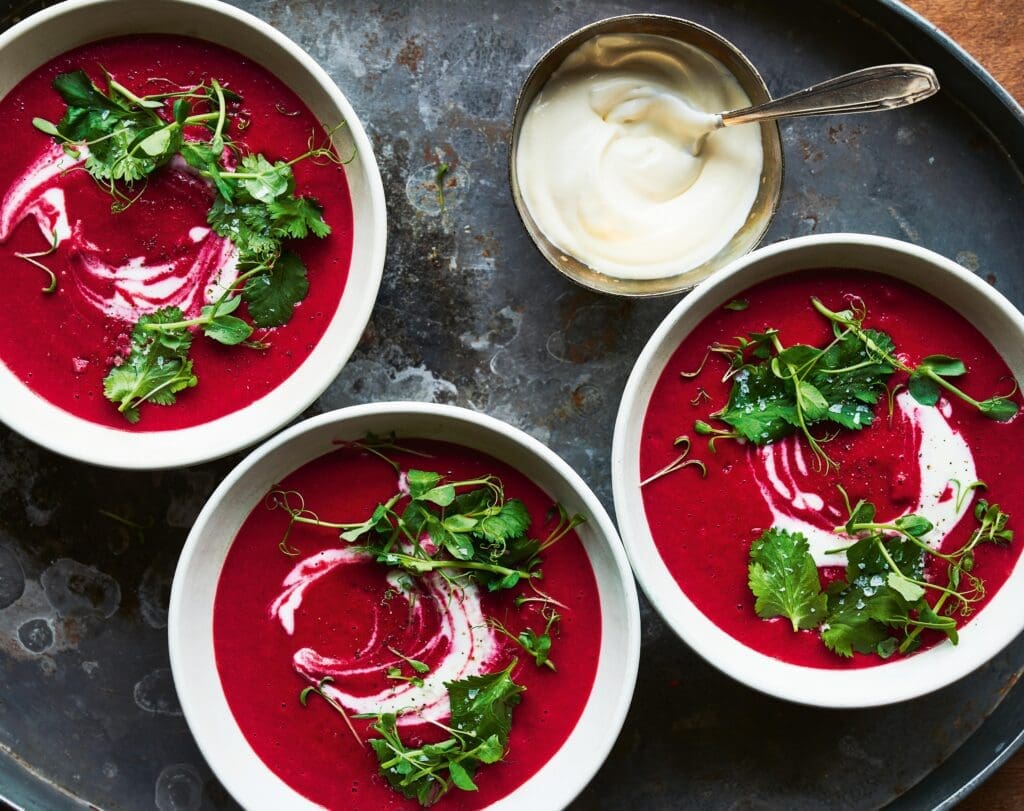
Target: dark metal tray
x=469 y=313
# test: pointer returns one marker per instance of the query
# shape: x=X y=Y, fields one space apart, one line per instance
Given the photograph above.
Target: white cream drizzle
x=943 y=457
x=121 y=291
x=464 y=634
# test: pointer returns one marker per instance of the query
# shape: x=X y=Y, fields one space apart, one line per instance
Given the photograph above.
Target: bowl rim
x=894 y=681
x=192 y=698
x=765 y=205
x=48 y=425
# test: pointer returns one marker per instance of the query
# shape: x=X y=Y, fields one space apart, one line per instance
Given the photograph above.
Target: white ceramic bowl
x=190 y=619
x=58 y=29
x=989 y=632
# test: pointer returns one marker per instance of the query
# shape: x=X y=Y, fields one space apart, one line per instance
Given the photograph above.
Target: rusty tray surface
x=469 y=313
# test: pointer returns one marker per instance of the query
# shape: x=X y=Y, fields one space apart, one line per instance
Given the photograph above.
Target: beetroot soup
x=130 y=219
x=869 y=536
x=293 y=607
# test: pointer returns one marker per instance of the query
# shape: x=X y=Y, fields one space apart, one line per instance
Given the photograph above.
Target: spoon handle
x=880 y=88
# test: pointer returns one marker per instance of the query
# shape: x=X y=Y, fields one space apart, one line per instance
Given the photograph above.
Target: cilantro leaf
x=801 y=386
x=482 y=705
x=852 y=394
x=78 y=92
x=272 y=296
x=511 y=521
x=157 y=367
x=265 y=181
x=784 y=579
x=297 y=217
x=761 y=406
x=124 y=138
x=247 y=224
x=862 y=610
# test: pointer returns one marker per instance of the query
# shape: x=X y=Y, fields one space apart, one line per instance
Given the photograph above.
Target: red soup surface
x=703 y=528
x=281 y=623
x=159 y=251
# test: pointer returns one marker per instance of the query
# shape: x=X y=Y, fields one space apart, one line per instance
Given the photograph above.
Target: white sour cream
x=605 y=157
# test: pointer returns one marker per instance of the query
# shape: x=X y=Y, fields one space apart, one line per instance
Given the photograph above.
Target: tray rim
x=1003 y=117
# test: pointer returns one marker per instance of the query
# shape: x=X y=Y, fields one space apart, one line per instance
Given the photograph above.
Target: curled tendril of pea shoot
x=679 y=462
x=545 y=599
x=283 y=500
x=33 y=259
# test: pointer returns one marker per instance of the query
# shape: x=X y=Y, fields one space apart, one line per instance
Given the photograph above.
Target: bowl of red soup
x=810 y=470
x=400 y=605
x=192 y=230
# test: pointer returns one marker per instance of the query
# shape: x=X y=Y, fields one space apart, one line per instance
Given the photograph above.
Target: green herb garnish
x=778 y=390
x=479 y=730
x=157 y=368
x=34 y=257
x=537 y=645
x=784 y=579
x=881 y=607
x=679 y=462
x=419 y=669
x=476 y=533
x=318 y=689
x=470 y=533
x=126 y=138
x=929 y=375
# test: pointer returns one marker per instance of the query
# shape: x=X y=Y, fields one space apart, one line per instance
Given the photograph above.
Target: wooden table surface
x=990 y=30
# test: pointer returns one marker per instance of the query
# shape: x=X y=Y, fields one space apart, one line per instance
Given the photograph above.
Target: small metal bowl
x=750 y=80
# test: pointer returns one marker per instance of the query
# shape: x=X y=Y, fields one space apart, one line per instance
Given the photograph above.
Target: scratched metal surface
x=470 y=314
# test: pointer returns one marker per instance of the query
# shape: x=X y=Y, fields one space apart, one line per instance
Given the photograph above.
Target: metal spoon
x=884 y=87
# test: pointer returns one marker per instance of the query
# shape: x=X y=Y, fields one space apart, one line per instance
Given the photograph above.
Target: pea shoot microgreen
x=678 y=463
x=318 y=689
x=123 y=138
x=419 y=669
x=778 y=390
x=882 y=606
x=473 y=530
x=537 y=645
x=34 y=257
x=481 y=719
x=471 y=533
x=439 y=176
